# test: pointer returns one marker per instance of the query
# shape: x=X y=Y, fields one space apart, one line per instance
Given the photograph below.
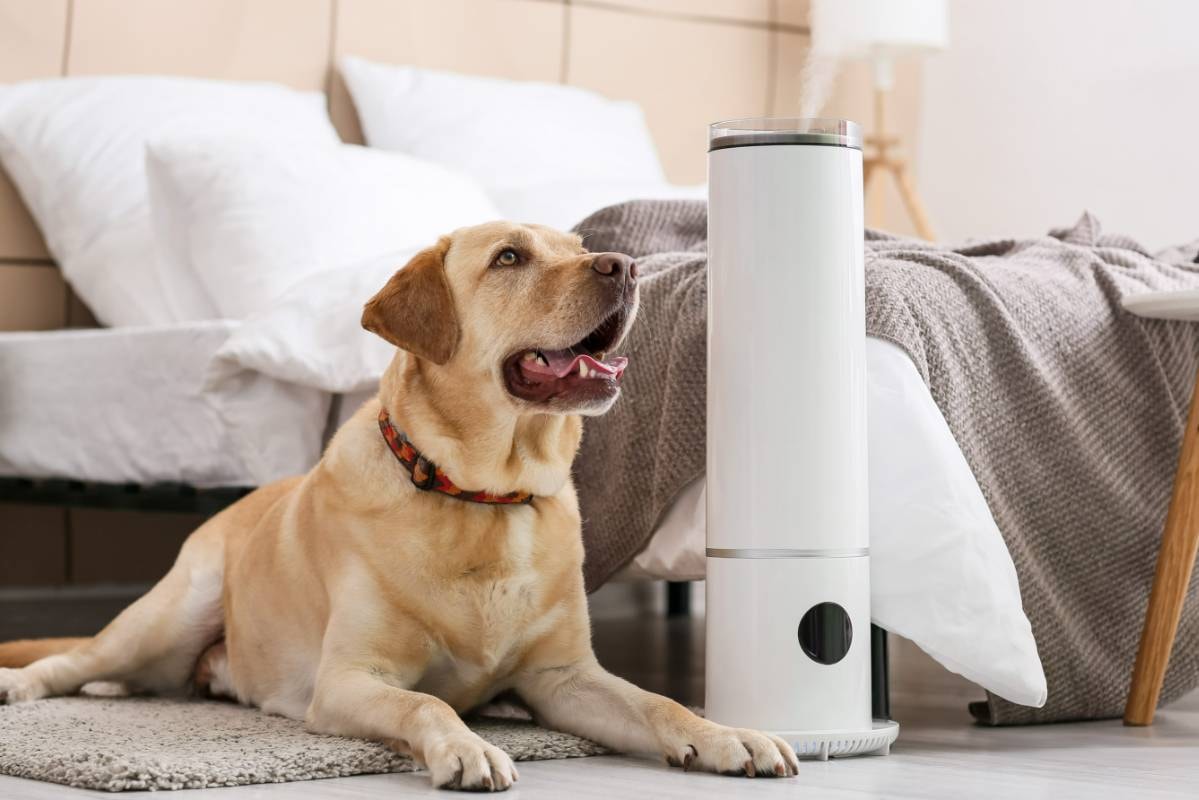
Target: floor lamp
x=879 y=31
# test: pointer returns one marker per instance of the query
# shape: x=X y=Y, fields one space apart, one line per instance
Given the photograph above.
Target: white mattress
x=134 y=404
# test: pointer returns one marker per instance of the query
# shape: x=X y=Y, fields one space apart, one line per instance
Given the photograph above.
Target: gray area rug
x=137 y=743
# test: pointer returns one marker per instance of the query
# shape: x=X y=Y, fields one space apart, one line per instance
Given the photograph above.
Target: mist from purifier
x=816 y=83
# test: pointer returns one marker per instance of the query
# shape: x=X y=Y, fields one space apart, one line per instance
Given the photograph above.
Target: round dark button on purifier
x=825 y=633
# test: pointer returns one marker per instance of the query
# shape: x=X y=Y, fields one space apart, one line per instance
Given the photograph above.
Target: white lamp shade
x=878 y=28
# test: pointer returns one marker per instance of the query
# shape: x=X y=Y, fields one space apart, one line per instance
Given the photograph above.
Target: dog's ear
x=415 y=310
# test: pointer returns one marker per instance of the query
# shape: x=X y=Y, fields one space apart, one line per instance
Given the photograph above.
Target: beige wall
x=853 y=98
x=1042 y=109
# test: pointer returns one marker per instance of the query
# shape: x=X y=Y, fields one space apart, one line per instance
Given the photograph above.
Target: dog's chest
x=491 y=628
x=492 y=605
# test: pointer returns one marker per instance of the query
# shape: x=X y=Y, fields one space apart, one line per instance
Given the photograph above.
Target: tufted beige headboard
x=687 y=62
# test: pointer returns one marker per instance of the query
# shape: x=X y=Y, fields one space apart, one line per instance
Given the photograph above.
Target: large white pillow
x=250 y=219
x=505 y=134
x=75 y=149
x=312 y=334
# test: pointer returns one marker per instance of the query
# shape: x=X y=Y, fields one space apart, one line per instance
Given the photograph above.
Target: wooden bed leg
x=1175 y=561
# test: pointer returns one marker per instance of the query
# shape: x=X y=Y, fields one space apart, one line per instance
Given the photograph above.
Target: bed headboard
x=687 y=62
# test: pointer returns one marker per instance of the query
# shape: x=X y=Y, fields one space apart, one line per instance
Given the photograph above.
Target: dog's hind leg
x=211 y=677
x=153 y=644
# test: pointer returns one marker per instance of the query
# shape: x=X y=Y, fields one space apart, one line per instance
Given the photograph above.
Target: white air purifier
x=788 y=587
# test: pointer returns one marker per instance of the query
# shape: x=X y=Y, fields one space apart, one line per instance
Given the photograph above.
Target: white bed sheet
x=134 y=405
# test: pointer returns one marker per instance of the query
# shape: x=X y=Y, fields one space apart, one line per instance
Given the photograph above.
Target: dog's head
x=524 y=308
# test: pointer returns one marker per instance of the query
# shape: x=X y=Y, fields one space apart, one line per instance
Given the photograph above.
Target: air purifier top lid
x=784 y=130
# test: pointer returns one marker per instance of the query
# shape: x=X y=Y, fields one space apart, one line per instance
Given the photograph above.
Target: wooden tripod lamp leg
x=907 y=190
x=873 y=173
x=874 y=167
x=1175 y=560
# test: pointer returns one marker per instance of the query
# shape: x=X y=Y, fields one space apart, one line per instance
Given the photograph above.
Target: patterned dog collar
x=428 y=476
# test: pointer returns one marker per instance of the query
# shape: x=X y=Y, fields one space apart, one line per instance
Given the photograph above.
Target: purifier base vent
x=825 y=744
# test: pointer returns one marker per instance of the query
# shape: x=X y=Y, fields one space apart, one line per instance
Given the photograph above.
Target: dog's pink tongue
x=560 y=363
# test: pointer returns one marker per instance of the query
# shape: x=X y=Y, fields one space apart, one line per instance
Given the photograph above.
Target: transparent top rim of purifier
x=755 y=131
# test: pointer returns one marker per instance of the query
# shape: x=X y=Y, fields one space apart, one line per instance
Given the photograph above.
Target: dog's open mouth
x=580 y=373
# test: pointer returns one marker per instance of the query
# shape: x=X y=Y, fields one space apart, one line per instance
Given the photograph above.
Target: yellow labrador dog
x=431 y=560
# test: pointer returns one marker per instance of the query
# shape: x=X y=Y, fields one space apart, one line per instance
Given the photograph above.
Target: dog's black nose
x=615 y=265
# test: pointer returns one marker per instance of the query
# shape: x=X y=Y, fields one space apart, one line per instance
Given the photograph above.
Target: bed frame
x=174 y=497
x=746 y=54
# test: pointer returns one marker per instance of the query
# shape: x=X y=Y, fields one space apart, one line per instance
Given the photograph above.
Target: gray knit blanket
x=1068 y=409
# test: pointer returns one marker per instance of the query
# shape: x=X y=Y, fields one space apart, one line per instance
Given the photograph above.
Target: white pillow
x=75 y=149
x=250 y=219
x=505 y=134
x=312 y=334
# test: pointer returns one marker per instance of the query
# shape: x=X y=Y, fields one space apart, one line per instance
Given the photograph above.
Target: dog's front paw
x=16 y=686
x=733 y=751
x=465 y=761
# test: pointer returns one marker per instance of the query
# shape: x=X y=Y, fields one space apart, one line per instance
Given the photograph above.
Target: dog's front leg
x=584 y=699
x=362 y=702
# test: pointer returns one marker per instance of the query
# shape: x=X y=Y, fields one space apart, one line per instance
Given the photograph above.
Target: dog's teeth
x=582 y=370
x=601 y=355
x=541 y=360
x=529 y=356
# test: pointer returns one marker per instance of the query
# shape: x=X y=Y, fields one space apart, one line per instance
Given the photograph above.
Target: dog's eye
x=507 y=258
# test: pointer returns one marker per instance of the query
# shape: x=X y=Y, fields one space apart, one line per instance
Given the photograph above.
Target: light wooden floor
x=940 y=753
